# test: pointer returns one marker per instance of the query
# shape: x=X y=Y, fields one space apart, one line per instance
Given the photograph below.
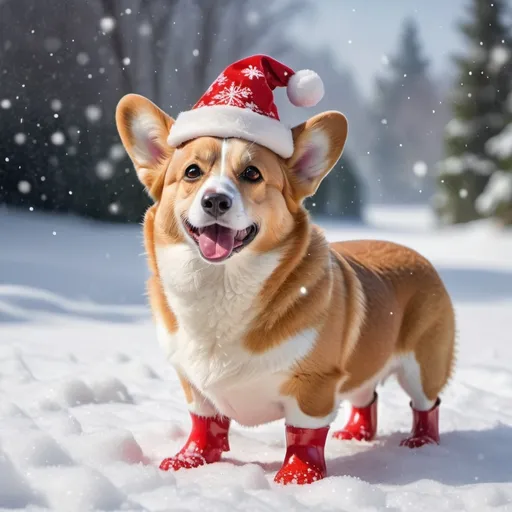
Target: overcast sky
x=362 y=31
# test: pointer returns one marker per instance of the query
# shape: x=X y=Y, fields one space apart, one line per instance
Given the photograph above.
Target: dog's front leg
x=208 y=436
x=304 y=462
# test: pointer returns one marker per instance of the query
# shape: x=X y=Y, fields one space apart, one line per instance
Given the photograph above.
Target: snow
x=116 y=152
x=458 y=128
x=500 y=146
x=253 y=18
x=24 y=187
x=107 y=24
x=83 y=58
x=145 y=29
x=20 y=138
x=420 y=169
x=104 y=170
x=114 y=208
x=58 y=138
x=497 y=192
x=5 y=104
x=52 y=44
x=466 y=162
x=498 y=57
x=89 y=406
x=93 y=113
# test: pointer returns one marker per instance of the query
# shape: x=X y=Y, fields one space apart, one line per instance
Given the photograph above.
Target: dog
x=260 y=316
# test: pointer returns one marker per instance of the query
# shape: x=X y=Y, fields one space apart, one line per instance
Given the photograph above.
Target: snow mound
x=111 y=390
x=108 y=446
x=37 y=449
x=75 y=392
x=139 y=478
x=14 y=490
x=79 y=489
x=252 y=477
x=61 y=423
x=345 y=493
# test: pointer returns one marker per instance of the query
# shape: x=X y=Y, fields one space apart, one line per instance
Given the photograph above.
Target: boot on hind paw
x=425 y=427
x=362 y=423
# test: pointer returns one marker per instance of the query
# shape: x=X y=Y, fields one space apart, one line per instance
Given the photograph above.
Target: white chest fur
x=214 y=305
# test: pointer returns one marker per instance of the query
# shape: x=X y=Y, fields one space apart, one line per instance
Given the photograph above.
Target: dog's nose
x=216 y=204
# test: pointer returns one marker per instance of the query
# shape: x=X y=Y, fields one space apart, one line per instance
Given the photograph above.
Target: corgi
x=260 y=316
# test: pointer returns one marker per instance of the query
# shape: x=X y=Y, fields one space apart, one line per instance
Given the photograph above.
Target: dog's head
x=226 y=197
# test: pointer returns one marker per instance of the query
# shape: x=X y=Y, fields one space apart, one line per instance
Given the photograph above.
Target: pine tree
x=480 y=113
x=340 y=193
x=403 y=117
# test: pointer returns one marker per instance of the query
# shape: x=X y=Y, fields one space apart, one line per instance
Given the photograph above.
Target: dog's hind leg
x=362 y=421
x=422 y=374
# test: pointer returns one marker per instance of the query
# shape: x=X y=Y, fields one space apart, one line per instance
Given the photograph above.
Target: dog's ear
x=318 y=144
x=143 y=129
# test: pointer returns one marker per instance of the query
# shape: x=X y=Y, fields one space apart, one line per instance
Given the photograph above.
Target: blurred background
x=425 y=86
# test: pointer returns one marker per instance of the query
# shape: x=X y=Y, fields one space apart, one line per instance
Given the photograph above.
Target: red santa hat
x=240 y=103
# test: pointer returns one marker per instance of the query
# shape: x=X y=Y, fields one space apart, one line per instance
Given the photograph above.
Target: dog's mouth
x=217 y=243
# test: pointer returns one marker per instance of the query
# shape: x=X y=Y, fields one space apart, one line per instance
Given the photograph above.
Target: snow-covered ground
x=88 y=406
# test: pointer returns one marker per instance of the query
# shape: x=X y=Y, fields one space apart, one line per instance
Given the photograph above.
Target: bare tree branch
x=112 y=10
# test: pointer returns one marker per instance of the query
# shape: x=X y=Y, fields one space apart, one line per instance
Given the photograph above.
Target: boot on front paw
x=362 y=423
x=304 y=462
x=206 y=442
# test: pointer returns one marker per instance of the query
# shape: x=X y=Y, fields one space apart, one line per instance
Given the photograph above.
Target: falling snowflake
x=252 y=72
x=107 y=24
x=58 y=138
x=116 y=152
x=234 y=95
x=83 y=58
x=104 y=170
x=20 y=138
x=93 y=113
x=24 y=187
x=114 y=208
x=56 y=105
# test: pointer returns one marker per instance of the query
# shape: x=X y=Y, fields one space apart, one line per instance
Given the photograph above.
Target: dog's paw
x=182 y=461
x=296 y=471
x=417 y=441
x=359 y=434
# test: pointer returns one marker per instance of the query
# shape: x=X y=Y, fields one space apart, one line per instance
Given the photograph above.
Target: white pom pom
x=305 y=88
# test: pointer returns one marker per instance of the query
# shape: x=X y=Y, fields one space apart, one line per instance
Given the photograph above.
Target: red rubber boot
x=206 y=442
x=425 y=427
x=362 y=423
x=304 y=462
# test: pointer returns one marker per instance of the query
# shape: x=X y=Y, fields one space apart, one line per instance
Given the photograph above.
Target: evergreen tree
x=340 y=193
x=480 y=113
x=403 y=119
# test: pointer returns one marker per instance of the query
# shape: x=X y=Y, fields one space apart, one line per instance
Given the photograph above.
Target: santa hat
x=240 y=103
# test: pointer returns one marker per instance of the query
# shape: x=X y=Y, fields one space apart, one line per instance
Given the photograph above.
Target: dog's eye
x=251 y=174
x=192 y=173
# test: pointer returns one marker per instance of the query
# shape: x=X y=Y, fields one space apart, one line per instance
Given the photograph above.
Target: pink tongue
x=216 y=242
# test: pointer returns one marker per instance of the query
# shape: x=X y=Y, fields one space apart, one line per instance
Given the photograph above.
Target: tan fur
x=370 y=300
